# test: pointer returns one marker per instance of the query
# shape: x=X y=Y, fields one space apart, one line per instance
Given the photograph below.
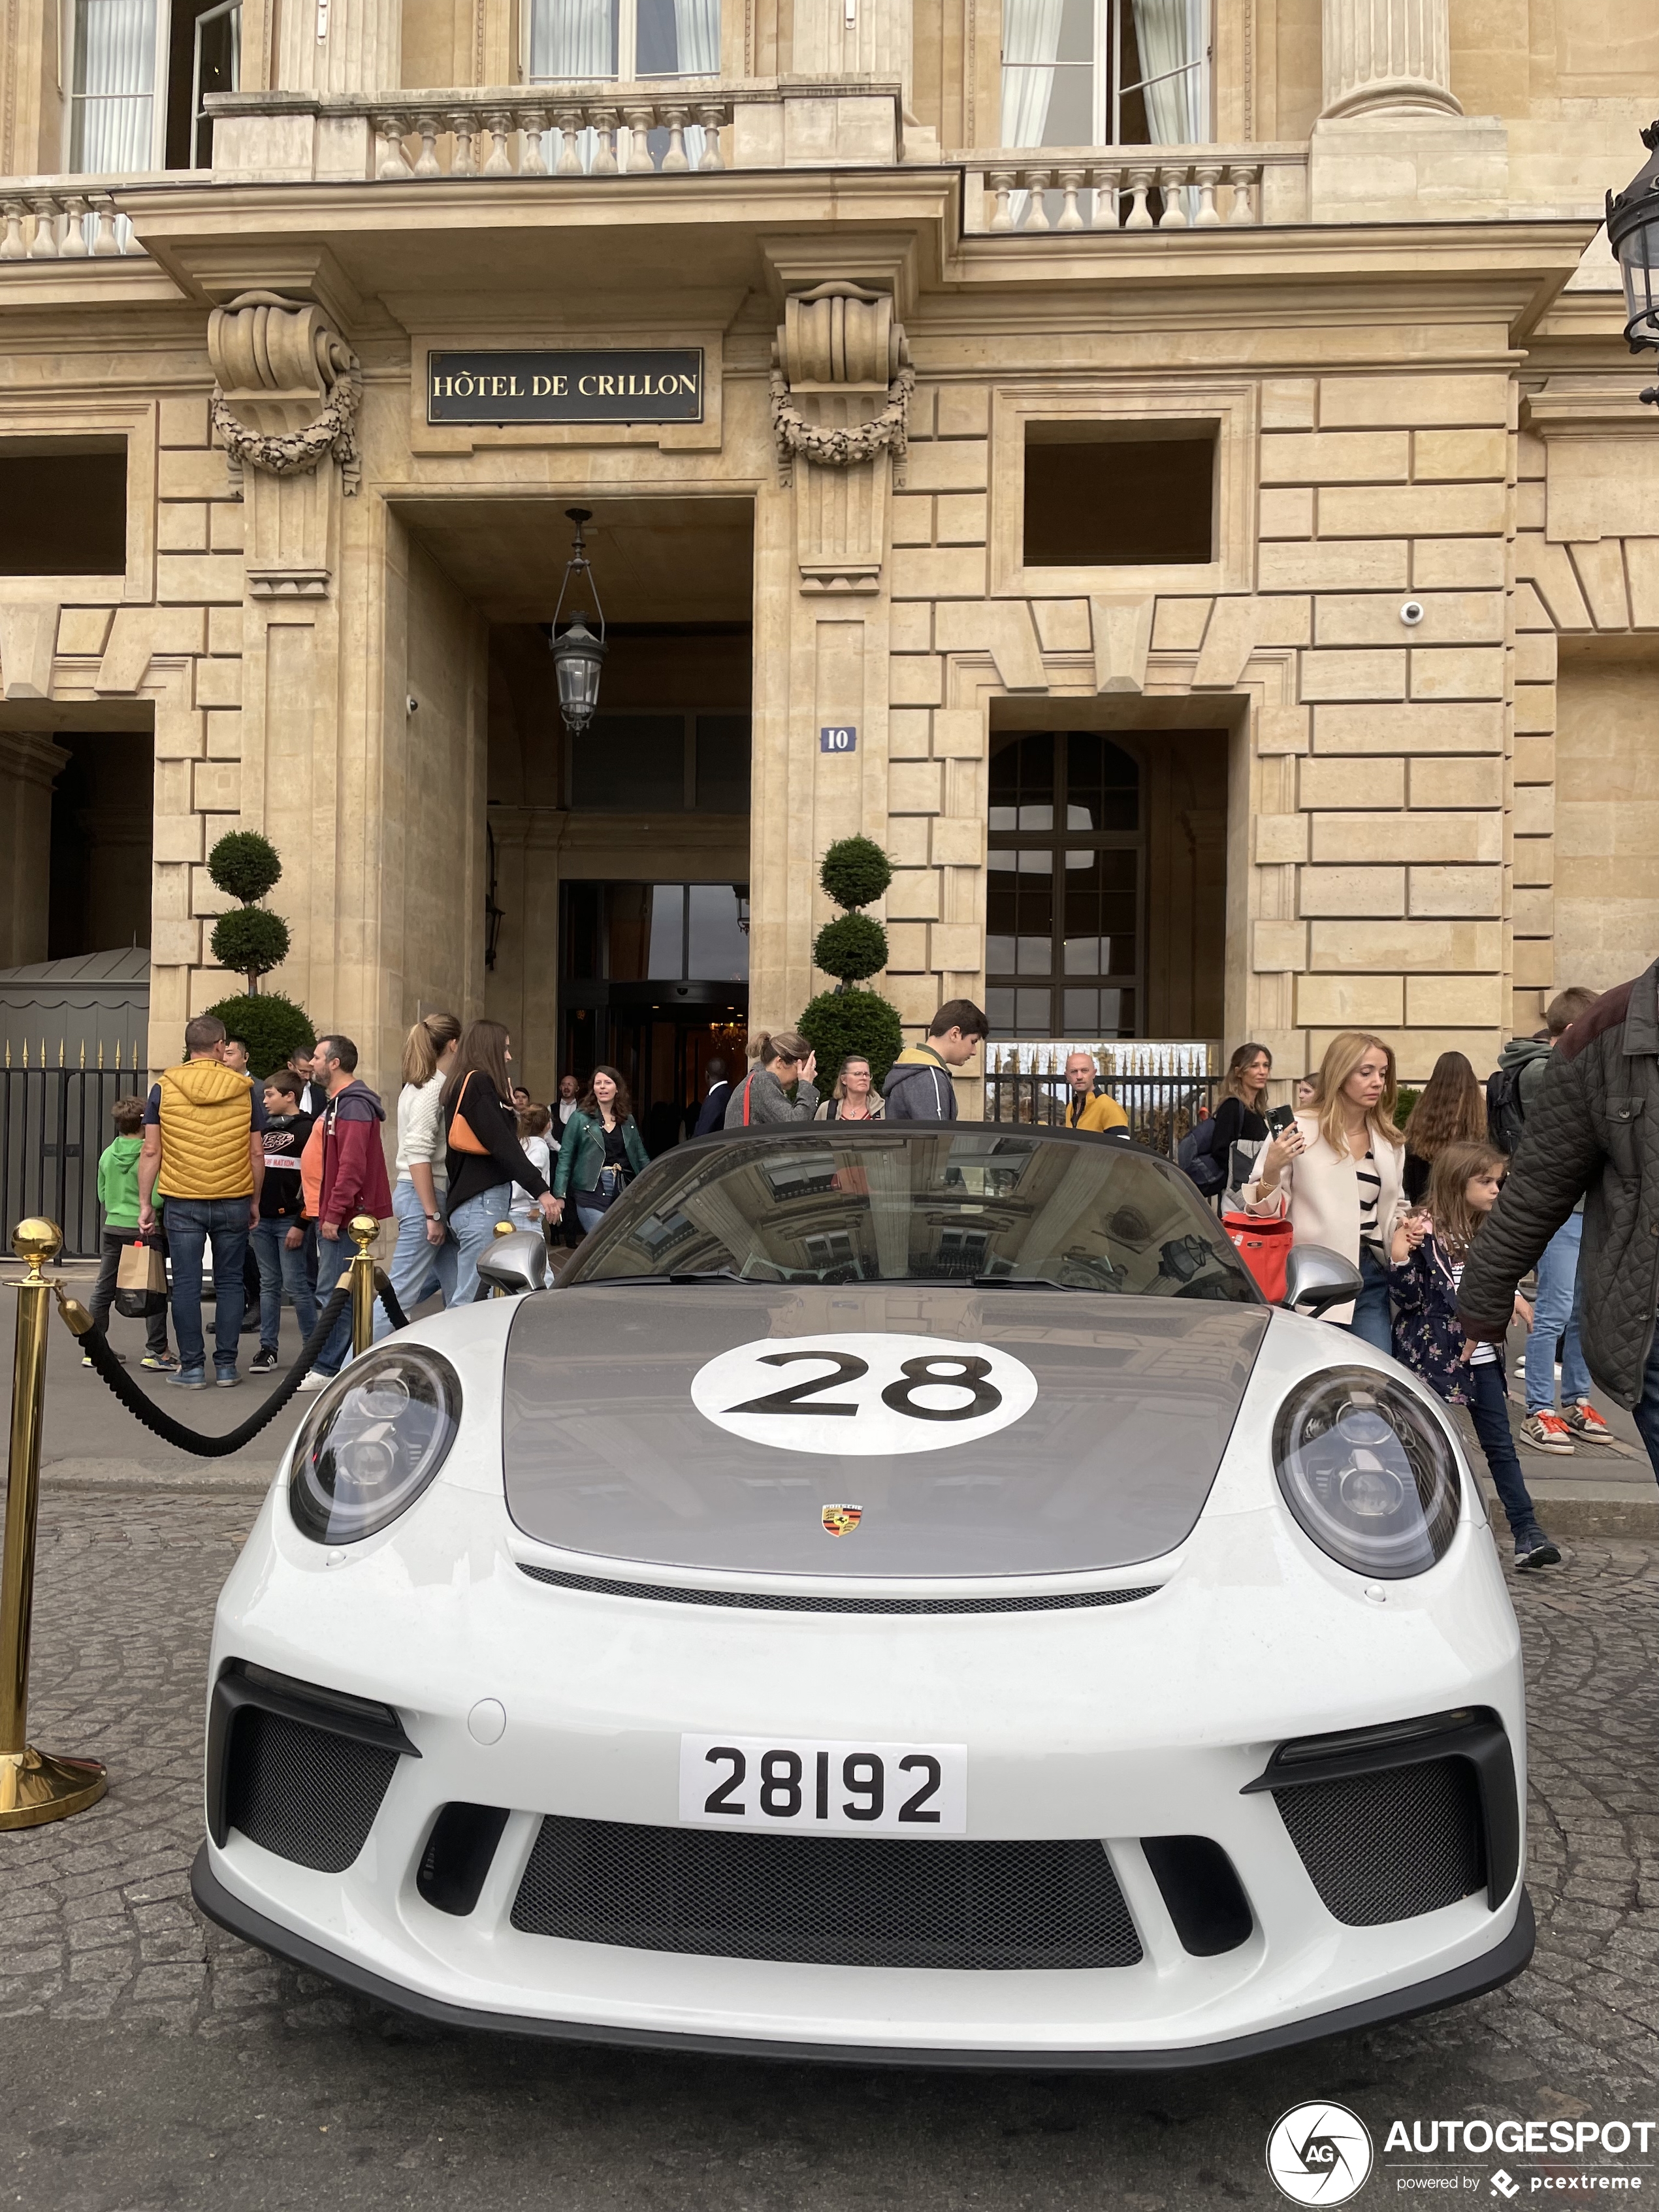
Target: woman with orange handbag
x=484 y=1157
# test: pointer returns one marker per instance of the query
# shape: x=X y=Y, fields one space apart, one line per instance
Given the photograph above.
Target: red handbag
x=1264 y=1245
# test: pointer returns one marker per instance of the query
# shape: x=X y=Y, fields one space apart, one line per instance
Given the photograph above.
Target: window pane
x=1032 y=1012
x=1022 y=773
x=630 y=764
x=1070 y=120
x=718 y=951
x=572 y=39
x=629 y=932
x=1035 y=956
x=1000 y=956
x=999 y=1012
x=1082 y=1013
x=1102 y=784
x=667 y=955
x=723 y=763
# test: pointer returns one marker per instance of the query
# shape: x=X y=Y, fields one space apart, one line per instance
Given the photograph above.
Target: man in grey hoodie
x=918 y=1086
x=1555 y=1308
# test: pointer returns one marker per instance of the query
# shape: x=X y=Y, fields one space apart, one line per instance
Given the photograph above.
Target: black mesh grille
x=305 y=1793
x=826 y=1900
x=770 y=1602
x=1389 y=1845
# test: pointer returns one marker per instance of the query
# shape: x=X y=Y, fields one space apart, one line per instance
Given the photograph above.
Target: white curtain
x=1030 y=40
x=113 y=86
x=1170 y=34
x=697 y=29
x=572 y=39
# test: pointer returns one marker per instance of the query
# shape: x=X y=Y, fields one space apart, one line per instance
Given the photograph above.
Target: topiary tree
x=845 y=1021
x=252 y=941
x=273 y=1025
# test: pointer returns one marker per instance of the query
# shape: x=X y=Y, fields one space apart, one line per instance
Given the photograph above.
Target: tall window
x=584 y=39
x=143 y=70
x=112 y=91
x=1067 y=844
x=1105 y=73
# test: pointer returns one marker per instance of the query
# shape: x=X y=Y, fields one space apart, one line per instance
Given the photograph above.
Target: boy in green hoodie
x=117 y=1195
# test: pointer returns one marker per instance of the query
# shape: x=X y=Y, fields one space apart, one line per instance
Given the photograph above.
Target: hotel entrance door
x=655 y=982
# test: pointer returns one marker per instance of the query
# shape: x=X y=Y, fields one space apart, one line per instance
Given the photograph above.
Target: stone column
x=339 y=46
x=29 y=763
x=1384 y=55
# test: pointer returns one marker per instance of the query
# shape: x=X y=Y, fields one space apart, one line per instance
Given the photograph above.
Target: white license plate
x=811 y=1786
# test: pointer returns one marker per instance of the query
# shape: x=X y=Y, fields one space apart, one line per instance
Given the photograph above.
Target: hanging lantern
x=578 y=654
x=1633 y=234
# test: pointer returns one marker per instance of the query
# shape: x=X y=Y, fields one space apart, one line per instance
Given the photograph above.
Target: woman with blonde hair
x=1451 y=1110
x=1337 y=1173
x=779 y=1087
x=423 y=1258
x=854 y=1097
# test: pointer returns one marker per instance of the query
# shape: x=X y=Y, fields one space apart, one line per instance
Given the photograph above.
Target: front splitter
x=1489 y=1972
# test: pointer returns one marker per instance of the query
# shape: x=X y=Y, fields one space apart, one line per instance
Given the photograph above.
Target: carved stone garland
x=840 y=352
x=273 y=352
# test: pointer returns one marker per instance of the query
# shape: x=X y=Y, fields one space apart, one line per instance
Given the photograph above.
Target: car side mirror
x=514 y=1264
x=1316 y=1278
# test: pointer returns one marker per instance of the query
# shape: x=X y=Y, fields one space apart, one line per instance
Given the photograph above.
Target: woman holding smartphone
x=1337 y=1173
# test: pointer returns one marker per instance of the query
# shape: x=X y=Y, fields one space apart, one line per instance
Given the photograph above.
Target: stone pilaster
x=339 y=46
x=1387 y=55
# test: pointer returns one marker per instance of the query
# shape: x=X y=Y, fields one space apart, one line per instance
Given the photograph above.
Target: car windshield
x=935 y=1205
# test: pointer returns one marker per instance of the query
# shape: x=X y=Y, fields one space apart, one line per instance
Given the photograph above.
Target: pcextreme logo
x=1319 y=2153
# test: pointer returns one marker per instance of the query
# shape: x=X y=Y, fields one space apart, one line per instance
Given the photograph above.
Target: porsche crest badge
x=841 y=1520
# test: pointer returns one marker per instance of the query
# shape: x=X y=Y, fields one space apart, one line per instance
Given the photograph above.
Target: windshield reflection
x=944 y=1205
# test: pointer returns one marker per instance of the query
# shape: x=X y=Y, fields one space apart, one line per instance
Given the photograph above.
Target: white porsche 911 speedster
x=902 y=1596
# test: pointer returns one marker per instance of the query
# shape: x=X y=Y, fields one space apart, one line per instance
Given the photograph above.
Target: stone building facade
x=1299 y=466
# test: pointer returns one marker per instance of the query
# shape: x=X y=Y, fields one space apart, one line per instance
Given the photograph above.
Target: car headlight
x=373 y=1444
x=1368 y=1472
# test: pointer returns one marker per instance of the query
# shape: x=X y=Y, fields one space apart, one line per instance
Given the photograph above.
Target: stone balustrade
x=1134 y=188
x=61 y=219
x=593 y=132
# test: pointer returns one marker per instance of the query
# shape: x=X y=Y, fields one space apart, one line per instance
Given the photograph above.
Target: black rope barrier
x=95 y=1343
x=388 y=1297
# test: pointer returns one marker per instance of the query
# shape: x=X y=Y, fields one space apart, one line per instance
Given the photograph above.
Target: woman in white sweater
x=425 y=1256
x=1338 y=1172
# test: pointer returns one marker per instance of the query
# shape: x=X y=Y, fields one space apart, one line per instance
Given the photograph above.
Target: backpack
x=1505 y=1116
x=1196 y=1157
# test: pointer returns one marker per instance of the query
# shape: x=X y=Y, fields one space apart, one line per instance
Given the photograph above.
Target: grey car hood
x=604 y=1452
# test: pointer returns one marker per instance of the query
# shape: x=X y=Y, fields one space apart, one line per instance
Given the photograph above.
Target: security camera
x=1412 y=613
x=414 y=704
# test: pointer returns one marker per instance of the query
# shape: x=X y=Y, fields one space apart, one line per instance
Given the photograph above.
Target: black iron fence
x=1161 y=1109
x=54 y=1125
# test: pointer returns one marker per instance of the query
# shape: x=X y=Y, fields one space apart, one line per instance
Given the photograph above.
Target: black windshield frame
x=1172 y=1244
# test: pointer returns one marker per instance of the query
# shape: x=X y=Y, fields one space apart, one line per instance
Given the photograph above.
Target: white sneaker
x=315 y=1381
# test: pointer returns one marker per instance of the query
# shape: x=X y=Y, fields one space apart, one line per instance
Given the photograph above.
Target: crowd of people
x=268 y=1174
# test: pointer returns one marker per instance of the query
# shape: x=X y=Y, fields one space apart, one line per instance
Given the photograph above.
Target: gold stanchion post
x=34 y=1785
x=362 y=1230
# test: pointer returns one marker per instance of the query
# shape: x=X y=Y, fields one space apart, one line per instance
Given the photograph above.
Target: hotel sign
x=664 y=384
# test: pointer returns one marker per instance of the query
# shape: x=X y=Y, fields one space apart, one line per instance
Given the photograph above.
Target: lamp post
x=578 y=656
x=1633 y=234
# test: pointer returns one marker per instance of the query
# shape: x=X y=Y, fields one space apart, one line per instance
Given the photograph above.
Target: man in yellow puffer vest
x=204 y=1153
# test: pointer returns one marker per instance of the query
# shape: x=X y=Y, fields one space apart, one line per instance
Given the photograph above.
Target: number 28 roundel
x=864 y=1395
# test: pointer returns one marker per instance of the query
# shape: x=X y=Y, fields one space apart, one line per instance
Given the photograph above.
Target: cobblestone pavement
x=149 y=2061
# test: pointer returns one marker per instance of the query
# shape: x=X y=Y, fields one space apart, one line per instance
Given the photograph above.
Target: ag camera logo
x=1320 y=2154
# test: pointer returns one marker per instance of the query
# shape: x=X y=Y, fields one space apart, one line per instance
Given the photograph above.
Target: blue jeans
x=193 y=1224
x=334 y=1256
x=1489 y=1411
x=418 y=1267
x=1555 y=1317
x=473 y=1227
x=1371 y=1318
x=282 y=1270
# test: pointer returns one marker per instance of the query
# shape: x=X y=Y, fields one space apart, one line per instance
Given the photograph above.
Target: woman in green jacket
x=600 y=1151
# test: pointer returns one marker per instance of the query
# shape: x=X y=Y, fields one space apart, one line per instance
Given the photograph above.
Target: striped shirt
x=1371 y=1193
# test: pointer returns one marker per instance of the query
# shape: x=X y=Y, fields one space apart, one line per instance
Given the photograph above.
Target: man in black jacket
x=1592 y=1132
x=713 y=1116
